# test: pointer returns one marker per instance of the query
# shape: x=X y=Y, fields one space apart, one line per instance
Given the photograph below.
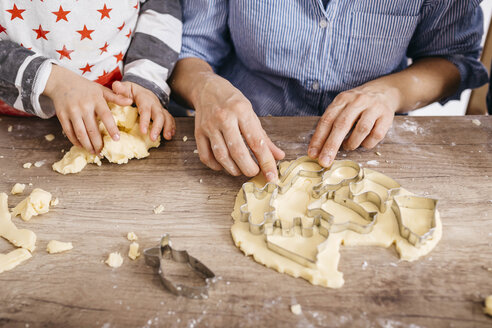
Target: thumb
x=117 y=99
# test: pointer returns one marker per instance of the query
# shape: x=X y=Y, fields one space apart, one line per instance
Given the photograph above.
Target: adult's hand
x=370 y=108
x=225 y=123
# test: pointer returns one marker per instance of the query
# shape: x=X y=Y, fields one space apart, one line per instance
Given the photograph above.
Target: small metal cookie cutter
x=154 y=257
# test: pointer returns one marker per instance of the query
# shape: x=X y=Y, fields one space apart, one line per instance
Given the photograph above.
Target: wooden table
x=449 y=158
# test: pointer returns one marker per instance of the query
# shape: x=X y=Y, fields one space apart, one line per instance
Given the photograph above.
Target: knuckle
x=257 y=144
x=326 y=120
x=364 y=127
x=221 y=155
x=341 y=122
x=378 y=135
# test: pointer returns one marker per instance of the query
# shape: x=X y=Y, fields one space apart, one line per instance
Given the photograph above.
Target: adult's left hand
x=368 y=109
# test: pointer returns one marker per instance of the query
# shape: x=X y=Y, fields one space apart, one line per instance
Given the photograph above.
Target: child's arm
x=149 y=62
x=23 y=76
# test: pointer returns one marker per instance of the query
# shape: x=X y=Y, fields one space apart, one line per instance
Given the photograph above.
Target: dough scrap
x=27 y=165
x=488 y=305
x=159 y=209
x=18 y=237
x=323 y=251
x=132 y=143
x=296 y=309
x=133 y=252
x=14 y=258
x=55 y=246
x=131 y=236
x=54 y=202
x=18 y=188
x=38 y=202
x=49 y=137
x=114 y=260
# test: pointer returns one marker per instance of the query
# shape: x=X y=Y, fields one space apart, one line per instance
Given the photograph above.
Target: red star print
x=3 y=29
x=61 y=14
x=136 y=6
x=104 y=48
x=85 y=33
x=86 y=69
x=41 y=33
x=65 y=53
x=105 y=12
x=119 y=57
x=16 y=12
x=25 y=47
x=121 y=27
x=103 y=74
x=129 y=34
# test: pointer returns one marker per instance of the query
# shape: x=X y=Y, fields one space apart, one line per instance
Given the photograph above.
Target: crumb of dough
x=30 y=184
x=201 y=180
x=159 y=209
x=18 y=188
x=378 y=153
x=38 y=202
x=185 y=138
x=488 y=305
x=476 y=122
x=195 y=151
x=296 y=309
x=114 y=260
x=49 y=137
x=133 y=252
x=55 y=246
x=63 y=150
x=9 y=129
x=27 y=165
x=131 y=236
x=40 y=163
x=54 y=202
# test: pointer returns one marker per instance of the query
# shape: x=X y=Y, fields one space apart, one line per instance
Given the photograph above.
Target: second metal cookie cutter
x=154 y=257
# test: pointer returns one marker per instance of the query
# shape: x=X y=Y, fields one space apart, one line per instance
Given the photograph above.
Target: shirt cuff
x=149 y=85
x=472 y=74
x=39 y=84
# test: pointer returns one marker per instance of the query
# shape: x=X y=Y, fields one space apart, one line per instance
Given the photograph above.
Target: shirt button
x=315 y=85
x=323 y=23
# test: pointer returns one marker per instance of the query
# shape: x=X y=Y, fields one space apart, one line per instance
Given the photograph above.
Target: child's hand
x=77 y=102
x=148 y=106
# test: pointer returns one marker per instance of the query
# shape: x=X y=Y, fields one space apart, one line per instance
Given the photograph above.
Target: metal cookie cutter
x=382 y=202
x=323 y=187
x=154 y=257
x=415 y=202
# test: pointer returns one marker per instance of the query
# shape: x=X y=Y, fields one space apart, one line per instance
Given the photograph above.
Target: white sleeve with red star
x=90 y=37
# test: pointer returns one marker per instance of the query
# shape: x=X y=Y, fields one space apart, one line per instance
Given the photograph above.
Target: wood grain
x=449 y=158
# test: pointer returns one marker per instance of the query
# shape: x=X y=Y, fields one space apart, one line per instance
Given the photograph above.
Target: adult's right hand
x=225 y=124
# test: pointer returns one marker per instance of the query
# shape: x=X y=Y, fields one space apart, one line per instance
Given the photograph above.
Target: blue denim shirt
x=292 y=57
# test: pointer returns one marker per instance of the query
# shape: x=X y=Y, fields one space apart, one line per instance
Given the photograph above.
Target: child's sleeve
x=155 y=47
x=23 y=77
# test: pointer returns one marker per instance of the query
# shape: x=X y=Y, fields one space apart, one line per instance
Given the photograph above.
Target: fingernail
x=270 y=176
x=116 y=137
x=313 y=152
x=174 y=131
x=145 y=130
x=154 y=136
x=168 y=135
x=325 y=160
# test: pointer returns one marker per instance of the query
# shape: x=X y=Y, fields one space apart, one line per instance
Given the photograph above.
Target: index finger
x=341 y=127
x=257 y=142
x=104 y=113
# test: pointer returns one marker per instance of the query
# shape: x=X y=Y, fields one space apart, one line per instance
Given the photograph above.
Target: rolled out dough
x=38 y=202
x=324 y=252
x=14 y=258
x=132 y=143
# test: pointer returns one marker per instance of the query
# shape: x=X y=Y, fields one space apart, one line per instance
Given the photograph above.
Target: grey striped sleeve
x=155 y=46
x=23 y=75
